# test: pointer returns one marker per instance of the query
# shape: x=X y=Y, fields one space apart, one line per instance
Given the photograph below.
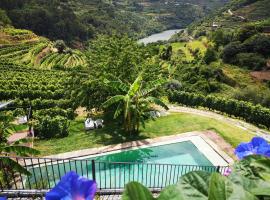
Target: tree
x=60 y=45
x=7 y=165
x=210 y=56
x=117 y=56
x=135 y=104
x=230 y=51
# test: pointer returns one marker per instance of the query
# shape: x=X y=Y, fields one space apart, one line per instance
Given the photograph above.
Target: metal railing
x=110 y=176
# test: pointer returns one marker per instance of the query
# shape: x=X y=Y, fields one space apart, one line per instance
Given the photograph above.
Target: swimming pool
x=155 y=166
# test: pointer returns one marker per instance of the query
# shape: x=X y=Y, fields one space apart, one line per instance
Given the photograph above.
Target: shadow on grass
x=116 y=135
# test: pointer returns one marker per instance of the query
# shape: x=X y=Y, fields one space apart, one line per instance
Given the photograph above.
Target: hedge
x=255 y=114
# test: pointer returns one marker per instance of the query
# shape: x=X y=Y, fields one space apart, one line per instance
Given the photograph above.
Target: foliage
x=254 y=94
x=82 y=20
x=4 y=20
x=221 y=37
x=136 y=103
x=252 y=61
x=115 y=58
x=203 y=185
x=166 y=53
x=48 y=127
x=230 y=51
x=25 y=48
x=7 y=165
x=210 y=56
x=60 y=45
x=252 y=113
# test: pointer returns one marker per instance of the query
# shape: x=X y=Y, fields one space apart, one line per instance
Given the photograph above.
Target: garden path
x=236 y=122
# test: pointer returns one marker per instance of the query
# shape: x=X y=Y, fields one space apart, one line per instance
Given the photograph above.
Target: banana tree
x=7 y=164
x=134 y=102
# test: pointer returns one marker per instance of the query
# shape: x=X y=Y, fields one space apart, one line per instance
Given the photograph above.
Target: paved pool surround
x=215 y=148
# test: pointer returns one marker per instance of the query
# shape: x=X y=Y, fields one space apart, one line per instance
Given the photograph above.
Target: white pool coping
x=199 y=142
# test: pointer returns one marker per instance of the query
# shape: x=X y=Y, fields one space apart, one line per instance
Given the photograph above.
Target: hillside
x=26 y=48
x=235 y=14
x=81 y=20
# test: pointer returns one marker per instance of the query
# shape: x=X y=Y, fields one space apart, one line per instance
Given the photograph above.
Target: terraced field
x=45 y=89
x=24 y=47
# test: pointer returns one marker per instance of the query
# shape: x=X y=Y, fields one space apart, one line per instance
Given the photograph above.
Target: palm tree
x=136 y=103
x=7 y=164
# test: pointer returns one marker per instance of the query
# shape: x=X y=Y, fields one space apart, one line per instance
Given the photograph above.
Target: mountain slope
x=23 y=47
x=80 y=20
x=235 y=14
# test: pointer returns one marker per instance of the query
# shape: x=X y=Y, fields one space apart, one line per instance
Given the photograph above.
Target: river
x=162 y=36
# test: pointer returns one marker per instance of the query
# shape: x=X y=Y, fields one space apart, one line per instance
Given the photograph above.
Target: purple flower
x=227 y=172
x=73 y=187
x=257 y=146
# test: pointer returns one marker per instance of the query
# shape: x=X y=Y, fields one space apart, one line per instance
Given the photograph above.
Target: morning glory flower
x=227 y=172
x=257 y=145
x=73 y=187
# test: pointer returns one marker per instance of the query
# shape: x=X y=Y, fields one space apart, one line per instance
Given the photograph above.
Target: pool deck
x=214 y=147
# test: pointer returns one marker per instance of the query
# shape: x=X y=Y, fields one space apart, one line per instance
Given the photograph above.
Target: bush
x=256 y=114
x=210 y=56
x=251 y=61
x=230 y=51
x=258 y=44
x=51 y=127
x=60 y=45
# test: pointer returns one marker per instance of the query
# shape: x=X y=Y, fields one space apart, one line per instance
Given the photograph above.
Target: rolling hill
x=23 y=47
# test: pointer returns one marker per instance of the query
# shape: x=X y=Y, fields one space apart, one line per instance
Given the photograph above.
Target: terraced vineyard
x=44 y=88
x=23 y=47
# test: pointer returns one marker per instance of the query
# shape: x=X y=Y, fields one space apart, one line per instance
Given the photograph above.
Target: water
x=163 y=36
x=110 y=175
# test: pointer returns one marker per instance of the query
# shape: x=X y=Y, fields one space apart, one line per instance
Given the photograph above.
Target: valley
x=100 y=48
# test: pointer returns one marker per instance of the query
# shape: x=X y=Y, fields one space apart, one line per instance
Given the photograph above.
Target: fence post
x=93 y=170
x=218 y=168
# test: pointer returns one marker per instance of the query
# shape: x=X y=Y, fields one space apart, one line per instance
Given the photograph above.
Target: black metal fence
x=110 y=176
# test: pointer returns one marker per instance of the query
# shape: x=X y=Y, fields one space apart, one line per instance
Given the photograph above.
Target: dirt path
x=17 y=136
x=235 y=122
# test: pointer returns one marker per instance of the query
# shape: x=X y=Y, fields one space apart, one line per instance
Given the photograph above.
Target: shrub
x=251 y=61
x=258 y=44
x=256 y=114
x=210 y=56
x=230 y=51
x=51 y=127
x=60 y=45
x=173 y=85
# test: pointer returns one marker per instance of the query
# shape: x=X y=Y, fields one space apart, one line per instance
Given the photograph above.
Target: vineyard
x=46 y=90
x=24 y=48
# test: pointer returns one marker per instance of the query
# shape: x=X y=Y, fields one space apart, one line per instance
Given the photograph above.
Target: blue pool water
x=173 y=161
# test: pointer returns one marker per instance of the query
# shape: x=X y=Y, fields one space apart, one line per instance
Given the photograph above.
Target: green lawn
x=169 y=125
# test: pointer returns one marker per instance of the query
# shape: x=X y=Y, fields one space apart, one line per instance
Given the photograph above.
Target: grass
x=169 y=125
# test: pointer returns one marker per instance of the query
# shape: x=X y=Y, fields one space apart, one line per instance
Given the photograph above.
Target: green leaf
x=113 y=100
x=193 y=185
x=135 y=86
x=262 y=167
x=254 y=186
x=136 y=191
x=20 y=150
x=118 y=111
x=221 y=188
x=254 y=167
x=15 y=166
x=157 y=102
